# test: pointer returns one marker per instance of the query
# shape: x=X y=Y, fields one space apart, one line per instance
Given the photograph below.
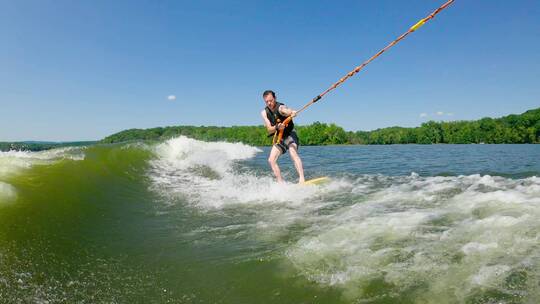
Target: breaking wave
x=209 y=176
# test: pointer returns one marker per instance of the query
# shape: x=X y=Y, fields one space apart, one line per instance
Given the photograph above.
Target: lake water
x=185 y=221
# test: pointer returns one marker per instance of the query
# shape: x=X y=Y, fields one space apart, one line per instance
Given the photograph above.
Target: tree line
x=522 y=128
x=511 y=129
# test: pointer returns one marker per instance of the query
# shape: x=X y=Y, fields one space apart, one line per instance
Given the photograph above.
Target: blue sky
x=81 y=70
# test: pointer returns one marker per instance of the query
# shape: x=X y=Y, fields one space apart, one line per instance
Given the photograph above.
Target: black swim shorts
x=283 y=146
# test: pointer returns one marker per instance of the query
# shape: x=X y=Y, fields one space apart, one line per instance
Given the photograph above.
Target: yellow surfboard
x=317 y=181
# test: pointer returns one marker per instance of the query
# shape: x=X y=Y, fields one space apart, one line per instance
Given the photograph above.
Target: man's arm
x=286 y=111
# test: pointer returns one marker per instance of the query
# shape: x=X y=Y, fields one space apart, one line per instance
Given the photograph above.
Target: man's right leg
x=272 y=160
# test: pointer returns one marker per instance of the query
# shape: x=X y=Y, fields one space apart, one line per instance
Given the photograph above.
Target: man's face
x=270 y=101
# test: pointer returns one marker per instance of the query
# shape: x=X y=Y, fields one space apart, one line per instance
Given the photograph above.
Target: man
x=273 y=116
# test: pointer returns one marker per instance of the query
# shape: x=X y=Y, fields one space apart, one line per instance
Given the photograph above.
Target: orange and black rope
x=360 y=67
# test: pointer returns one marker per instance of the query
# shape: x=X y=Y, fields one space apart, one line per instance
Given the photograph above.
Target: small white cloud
x=423 y=115
x=171 y=97
x=450 y=114
x=440 y=113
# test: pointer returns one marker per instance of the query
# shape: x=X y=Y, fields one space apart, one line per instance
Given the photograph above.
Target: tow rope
x=360 y=67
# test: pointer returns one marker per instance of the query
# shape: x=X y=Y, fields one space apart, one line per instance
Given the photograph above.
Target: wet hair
x=268 y=92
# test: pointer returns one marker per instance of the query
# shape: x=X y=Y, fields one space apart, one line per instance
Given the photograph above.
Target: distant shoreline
x=21 y=146
x=511 y=129
x=40 y=145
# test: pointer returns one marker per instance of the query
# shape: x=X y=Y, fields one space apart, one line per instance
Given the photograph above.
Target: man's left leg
x=293 y=150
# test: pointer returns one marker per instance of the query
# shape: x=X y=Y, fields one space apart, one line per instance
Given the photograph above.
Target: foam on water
x=8 y=193
x=205 y=173
x=435 y=239
x=446 y=236
x=210 y=178
x=12 y=162
x=15 y=162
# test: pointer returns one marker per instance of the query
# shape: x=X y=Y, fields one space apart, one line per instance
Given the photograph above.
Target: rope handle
x=280 y=135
